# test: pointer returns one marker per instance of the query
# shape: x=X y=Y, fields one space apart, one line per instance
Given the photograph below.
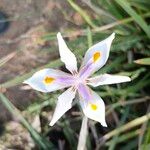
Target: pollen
x=93 y=106
x=96 y=56
x=48 y=80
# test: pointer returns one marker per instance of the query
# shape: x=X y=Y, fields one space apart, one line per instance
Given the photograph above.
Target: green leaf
x=138 y=19
x=144 y=61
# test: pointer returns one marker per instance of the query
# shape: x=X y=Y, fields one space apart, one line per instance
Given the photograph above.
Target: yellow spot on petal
x=48 y=80
x=93 y=106
x=96 y=56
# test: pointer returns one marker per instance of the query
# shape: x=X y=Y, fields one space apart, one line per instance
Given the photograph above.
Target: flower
x=48 y=80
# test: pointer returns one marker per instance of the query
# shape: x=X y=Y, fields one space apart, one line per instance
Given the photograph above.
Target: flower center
x=79 y=80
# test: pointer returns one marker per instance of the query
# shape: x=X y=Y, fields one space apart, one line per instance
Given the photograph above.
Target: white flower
x=48 y=80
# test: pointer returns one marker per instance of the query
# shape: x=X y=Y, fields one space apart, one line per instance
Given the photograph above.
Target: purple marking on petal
x=66 y=80
x=86 y=70
x=84 y=92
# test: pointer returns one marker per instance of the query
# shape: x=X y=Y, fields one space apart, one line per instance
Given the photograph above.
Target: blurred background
x=28 y=43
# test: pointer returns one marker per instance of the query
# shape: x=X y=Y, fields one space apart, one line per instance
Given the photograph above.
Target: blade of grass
x=124 y=103
x=39 y=140
x=138 y=19
x=112 y=8
x=98 y=10
x=89 y=37
x=144 y=61
x=147 y=139
x=144 y=128
x=131 y=124
x=116 y=137
x=139 y=85
x=68 y=132
x=85 y=16
x=132 y=145
x=38 y=106
x=127 y=136
x=83 y=32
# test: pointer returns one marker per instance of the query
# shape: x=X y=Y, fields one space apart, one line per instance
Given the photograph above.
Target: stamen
x=93 y=106
x=74 y=72
x=49 y=80
x=73 y=89
x=96 y=56
x=87 y=81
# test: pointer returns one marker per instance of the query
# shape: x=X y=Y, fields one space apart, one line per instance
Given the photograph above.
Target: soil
x=28 y=21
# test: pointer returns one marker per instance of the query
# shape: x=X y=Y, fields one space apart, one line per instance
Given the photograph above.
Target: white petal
x=97 y=55
x=38 y=78
x=64 y=103
x=94 y=109
x=66 y=55
x=107 y=79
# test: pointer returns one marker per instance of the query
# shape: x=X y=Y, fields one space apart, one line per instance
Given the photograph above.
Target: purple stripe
x=84 y=92
x=86 y=70
x=66 y=80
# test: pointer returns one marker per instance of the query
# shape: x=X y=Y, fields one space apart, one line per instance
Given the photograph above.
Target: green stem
x=83 y=134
